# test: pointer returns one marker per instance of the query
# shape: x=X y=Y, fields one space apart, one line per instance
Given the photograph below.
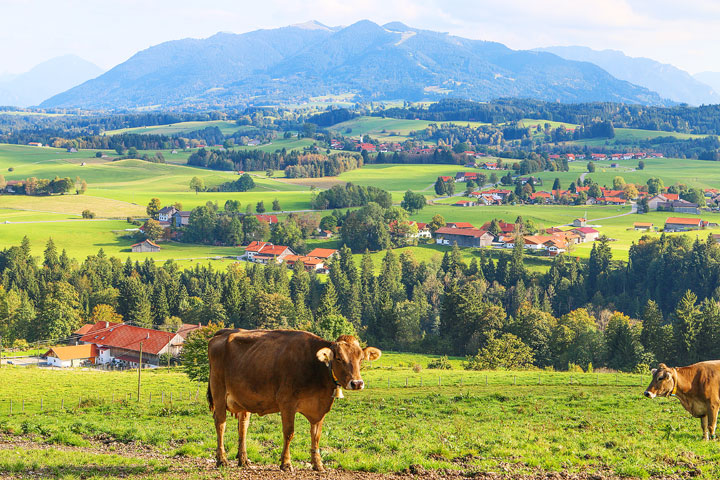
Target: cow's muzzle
x=356 y=385
x=649 y=394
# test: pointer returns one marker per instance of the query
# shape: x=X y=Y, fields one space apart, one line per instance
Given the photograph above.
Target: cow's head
x=344 y=356
x=663 y=382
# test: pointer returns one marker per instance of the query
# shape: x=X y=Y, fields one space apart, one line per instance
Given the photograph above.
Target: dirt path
x=147 y=459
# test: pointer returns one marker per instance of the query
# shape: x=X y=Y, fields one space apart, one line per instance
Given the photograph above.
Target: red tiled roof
x=465 y=232
x=186 y=328
x=671 y=196
x=84 y=329
x=291 y=259
x=585 y=230
x=322 y=252
x=129 y=337
x=273 y=250
x=256 y=246
x=458 y=225
x=611 y=199
x=683 y=221
x=145 y=241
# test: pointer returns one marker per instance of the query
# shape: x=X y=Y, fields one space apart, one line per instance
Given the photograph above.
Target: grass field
x=226 y=127
x=468 y=422
x=387 y=129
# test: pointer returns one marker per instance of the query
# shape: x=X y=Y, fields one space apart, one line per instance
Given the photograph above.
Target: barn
x=145 y=246
x=71 y=356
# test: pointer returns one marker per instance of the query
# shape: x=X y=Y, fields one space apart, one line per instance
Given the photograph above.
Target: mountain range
x=372 y=62
x=45 y=80
x=668 y=81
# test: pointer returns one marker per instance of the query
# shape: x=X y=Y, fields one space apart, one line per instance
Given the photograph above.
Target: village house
x=679 y=206
x=465 y=203
x=264 y=252
x=71 y=356
x=181 y=218
x=35 y=144
x=587 y=234
x=555 y=246
x=323 y=253
x=459 y=225
x=146 y=246
x=463 y=237
x=121 y=342
x=642 y=226
x=165 y=214
x=679 y=224
x=505 y=228
x=536 y=242
x=310 y=263
x=323 y=234
x=579 y=222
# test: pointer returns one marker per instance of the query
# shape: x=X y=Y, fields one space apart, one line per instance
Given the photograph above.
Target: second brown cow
x=286 y=371
x=696 y=386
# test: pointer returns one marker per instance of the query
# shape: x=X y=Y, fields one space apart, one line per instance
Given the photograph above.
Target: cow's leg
x=704 y=424
x=712 y=417
x=288 y=421
x=243 y=422
x=220 y=416
x=315 y=432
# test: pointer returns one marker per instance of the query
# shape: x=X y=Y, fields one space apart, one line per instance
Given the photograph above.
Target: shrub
x=507 y=352
x=572 y=368
x=441 y=363
x=417 y=368
x=88 y=214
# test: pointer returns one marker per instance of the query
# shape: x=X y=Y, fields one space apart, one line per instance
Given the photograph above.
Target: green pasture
x=522 y=423
x=400 y=178
x=85 y=237
x=387 y=129
x=226 y=127
x=624 y=135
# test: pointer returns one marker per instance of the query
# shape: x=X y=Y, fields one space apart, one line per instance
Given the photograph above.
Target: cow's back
x=261 y=369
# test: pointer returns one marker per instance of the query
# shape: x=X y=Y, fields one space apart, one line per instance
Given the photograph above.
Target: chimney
x=107 y=324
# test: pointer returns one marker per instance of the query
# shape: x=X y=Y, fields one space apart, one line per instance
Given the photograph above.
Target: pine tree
x=687 y=322
x=328 y=302
x=651 y=335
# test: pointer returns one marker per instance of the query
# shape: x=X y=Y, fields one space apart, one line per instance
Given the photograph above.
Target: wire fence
x=447 y=380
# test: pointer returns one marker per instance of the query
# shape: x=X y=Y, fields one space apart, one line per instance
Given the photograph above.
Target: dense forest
x=682 y=118
x=660 y=306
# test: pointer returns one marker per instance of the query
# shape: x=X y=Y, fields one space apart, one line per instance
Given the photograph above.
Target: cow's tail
x=210 y=399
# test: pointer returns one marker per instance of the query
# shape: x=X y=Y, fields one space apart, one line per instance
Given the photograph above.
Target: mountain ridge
x=665 y=79
x=373 y=62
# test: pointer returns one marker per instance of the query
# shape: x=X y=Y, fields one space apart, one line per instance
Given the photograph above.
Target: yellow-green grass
x=14 y=215
x=517 y=422
x=383 y=128
x=71 y=205
x=81 y=238
x=226 y=127
x=635 y=134
x=400 y=177
x=280 y=143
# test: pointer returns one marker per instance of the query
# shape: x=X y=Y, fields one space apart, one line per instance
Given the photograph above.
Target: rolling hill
x=295 y=63
x=46 y=79
x=667 y=80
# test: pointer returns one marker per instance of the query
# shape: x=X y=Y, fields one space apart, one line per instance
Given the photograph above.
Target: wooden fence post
x=514 y=379
x=41 y=404
x=439 y=381
x=162 y=397
x=23 y=405
x=11 y=406
x=486 y=380
x=406 y=382
x=62 y=403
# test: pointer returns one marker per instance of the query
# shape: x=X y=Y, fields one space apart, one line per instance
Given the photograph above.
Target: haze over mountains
x=667 y=80
x=45 y=80
x=372 y=62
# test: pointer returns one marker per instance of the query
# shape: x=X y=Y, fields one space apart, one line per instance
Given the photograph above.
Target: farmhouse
x=310 y=263
x=679 y=224
x=459 y=225
x=71 y=356
x=504 y=227
x=587 y=234
x=464 y=237
x=35 y=144
x=679 y=206
x=555 y=246
x=120 y=342
x=464 y=203
x=323 y=253
x=165 y=214
x=145 y=246
x=181 y=218
x=264 y=252
x=536 y=242
x=579 y=222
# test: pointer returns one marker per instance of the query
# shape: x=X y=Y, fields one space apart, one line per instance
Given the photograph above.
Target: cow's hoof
x=221 y=462
x=318 y=467
x=286 y=467
x=243 y=462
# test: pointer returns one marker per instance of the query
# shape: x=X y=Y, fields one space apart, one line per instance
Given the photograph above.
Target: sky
x=108 y=32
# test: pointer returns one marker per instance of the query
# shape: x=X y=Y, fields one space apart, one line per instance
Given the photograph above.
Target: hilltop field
x=525 y=424
x=118 y=189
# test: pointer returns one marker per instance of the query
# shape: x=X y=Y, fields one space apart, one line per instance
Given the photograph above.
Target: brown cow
x=286 y=371
x=696 y=386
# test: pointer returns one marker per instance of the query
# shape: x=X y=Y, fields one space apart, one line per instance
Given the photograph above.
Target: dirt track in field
x=181 y=467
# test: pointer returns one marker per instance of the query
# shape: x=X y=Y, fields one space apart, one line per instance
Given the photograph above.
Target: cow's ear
x=325 y=355
x=653 y=371
x=372 y=353
x=662 y=366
